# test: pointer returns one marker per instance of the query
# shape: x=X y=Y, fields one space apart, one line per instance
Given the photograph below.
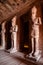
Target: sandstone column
x=3 y=35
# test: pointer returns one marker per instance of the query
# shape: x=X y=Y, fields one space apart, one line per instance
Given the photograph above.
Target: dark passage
x=24 y=33
x=8 y=35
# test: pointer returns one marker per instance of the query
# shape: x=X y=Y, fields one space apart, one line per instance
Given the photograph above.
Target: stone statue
x=14 y=30
x=36 y=20
x=35 y=32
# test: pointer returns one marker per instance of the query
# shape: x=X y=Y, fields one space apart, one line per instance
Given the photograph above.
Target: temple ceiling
x=10 y=8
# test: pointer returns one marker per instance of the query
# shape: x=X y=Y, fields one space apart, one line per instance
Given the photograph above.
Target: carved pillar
x=3 y=35
x=14 y=30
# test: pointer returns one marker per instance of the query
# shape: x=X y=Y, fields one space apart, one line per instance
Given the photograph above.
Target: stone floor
x=16 y=58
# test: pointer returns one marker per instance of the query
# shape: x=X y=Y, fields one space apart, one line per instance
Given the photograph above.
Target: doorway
x=8 y=34
x=25 y=42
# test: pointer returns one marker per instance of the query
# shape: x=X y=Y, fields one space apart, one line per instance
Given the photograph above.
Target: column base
x=31 y=57
x=13 y=50
x=37 y=55
x=2 y=48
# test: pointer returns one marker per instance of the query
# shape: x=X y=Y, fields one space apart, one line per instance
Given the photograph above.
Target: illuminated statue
x=35 y=32
x=14 y=30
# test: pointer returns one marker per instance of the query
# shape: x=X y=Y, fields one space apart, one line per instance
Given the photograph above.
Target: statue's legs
x=37 y=53
x=14 y=43
x=33 y=47
x=31 y=55
x=37 y=46
x=15 y=40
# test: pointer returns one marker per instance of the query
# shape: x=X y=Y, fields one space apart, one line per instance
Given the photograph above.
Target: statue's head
x=34 y=12
x=14 y=21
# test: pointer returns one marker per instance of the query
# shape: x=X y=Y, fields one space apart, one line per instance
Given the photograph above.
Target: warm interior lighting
x=26 y=46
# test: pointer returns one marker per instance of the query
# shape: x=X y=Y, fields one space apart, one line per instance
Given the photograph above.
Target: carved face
x=34 y=13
